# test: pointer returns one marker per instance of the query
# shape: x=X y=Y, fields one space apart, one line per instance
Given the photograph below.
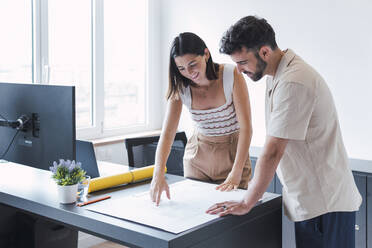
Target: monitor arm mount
x=20 y=123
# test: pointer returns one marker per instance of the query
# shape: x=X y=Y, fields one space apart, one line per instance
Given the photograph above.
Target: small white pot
x=67 y=194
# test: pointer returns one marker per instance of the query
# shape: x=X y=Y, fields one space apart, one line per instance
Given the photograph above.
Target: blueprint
x=185 y=210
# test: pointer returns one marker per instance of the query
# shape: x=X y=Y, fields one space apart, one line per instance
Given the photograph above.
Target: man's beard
x=260 y=67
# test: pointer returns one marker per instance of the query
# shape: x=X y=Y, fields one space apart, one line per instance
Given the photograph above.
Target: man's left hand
x=229 y=207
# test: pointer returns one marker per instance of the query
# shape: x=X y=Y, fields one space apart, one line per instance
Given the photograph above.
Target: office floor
x=89 y=241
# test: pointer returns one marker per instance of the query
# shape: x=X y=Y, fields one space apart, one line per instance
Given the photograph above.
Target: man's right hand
x=158 y=185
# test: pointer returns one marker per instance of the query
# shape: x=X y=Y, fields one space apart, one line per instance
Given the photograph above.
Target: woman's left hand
x=232 y=181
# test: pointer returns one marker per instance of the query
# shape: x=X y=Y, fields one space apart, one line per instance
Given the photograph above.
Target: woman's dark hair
x=250 y=32
x=187 y=43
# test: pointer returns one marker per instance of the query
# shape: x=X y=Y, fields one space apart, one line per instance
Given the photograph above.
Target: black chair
x=85 y=154
x=141 y=152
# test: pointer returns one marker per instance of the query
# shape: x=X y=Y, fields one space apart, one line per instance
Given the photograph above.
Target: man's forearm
x=264 y=172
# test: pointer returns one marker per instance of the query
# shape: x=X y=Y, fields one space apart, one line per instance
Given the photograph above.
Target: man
x=303 y=144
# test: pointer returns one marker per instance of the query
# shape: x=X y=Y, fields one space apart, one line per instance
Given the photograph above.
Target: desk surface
x=32 y=190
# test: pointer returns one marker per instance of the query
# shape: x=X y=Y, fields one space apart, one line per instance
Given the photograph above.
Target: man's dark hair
x=250 y=32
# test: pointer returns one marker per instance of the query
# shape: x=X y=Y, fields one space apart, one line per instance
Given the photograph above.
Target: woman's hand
x=229 y=207
x=232 y=181
x=158 y=185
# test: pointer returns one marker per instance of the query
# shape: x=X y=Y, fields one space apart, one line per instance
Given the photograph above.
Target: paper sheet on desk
x=186 y=209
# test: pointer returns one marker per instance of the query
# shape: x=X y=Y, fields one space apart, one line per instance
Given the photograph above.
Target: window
x=125 y=67
x=100 y=47
x=70 y=53
x=16 y=41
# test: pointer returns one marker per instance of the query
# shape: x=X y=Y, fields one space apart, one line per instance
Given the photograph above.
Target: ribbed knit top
x=217 y=121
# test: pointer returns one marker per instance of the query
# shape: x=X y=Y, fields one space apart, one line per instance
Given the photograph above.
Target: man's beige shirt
x=314 y=169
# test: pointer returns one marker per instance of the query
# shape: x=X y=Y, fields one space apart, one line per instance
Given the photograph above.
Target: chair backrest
x=141 y=152
x=85 y=154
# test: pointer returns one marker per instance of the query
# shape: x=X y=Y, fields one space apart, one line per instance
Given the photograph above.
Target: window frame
x=153 y=89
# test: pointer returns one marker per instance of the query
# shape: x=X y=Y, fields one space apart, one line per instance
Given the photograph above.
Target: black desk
x=32 y=190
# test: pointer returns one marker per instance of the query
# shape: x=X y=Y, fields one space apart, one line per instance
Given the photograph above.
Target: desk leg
x=43 y=233
x=21 y=230
x=7 y=226
x=262 y=232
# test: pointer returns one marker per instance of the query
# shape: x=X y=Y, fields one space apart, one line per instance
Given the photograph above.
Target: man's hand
x=158 y=185
x=229 y=207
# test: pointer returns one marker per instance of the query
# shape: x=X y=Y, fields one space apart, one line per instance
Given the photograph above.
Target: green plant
x=67 y=172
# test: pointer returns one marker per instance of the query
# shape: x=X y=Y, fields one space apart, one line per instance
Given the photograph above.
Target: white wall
x=335 y=37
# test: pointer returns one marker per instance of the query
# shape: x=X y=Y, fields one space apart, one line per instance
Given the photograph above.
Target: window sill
x=121 y=138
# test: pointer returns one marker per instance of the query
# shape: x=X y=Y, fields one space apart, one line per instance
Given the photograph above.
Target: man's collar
x=284 y=62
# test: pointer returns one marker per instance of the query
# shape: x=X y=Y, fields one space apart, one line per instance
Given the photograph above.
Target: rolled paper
x=135 y=175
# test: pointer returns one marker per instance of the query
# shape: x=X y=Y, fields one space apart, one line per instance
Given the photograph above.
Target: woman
x=217 y=98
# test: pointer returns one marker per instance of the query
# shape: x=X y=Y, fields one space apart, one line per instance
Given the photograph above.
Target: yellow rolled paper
x=106 y=182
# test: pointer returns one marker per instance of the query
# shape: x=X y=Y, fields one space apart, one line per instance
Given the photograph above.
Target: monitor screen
x=37 y=123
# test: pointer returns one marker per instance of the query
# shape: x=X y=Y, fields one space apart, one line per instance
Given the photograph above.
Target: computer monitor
x=37 y=123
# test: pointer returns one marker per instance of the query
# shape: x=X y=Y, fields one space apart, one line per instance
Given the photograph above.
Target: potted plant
x=67 y=175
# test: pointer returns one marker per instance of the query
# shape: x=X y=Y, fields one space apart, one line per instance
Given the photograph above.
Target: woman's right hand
x=158 y=185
